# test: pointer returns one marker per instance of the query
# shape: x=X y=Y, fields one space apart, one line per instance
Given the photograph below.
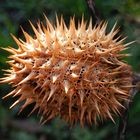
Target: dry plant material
x=75 y=73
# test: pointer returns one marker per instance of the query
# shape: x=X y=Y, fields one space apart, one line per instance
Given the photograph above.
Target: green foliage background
x=14 y=13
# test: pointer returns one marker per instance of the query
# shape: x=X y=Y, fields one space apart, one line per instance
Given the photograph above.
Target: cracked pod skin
x=75 y=73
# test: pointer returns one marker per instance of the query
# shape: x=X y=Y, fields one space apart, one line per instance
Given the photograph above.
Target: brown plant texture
x=76 y=73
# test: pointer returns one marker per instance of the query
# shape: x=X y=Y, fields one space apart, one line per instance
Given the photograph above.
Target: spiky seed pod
x=75 y=73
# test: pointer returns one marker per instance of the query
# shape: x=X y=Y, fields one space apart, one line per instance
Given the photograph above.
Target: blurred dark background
x=16 y=13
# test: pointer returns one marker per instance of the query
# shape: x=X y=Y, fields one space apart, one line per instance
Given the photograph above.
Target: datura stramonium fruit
x=76 y=73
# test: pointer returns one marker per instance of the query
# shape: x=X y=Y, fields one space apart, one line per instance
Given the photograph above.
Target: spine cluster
x=75 y=73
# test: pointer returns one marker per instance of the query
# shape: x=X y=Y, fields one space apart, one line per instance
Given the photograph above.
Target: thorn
x=28 y=102
x=110 y=116
x=127 y=44
x=19 y=43
x=53 y=89
x=119 y=91
x=112 y=30
x=8 y=79
x=29 y=77
x=66 y=86
x=14 y=104
x=49 y=25
x=74 y=75
x=10 y=94
x=11 y=50
x=54 y=78
x=34 y=29
x=35 y=107
x=82 y=117
x=81 y=94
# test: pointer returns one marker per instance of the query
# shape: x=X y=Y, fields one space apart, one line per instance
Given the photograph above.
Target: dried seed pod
x=75 y=73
